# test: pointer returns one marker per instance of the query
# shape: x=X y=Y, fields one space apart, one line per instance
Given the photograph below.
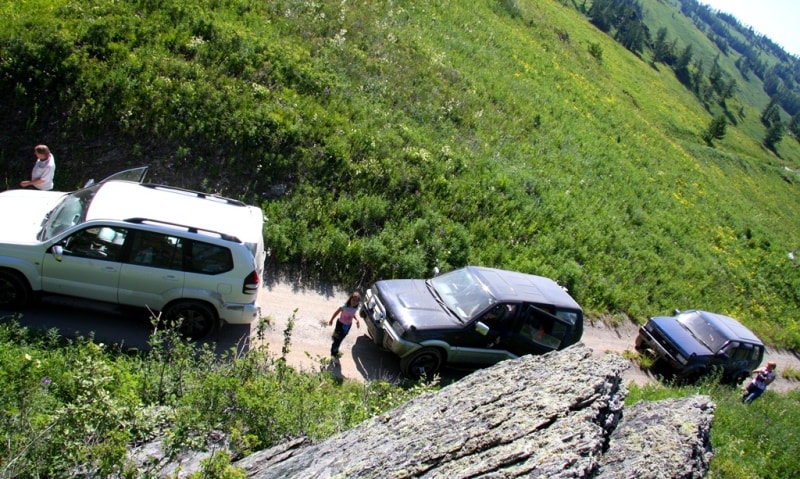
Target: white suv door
x=89 y=264
x=153 y=274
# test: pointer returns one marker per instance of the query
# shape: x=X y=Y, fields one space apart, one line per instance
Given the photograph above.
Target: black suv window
x=96 y=242
x=747 y=352
x=542 y=328
x=500 y=320
x=157 y=250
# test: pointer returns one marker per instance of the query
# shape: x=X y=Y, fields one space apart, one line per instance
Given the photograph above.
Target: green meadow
x=384 y=140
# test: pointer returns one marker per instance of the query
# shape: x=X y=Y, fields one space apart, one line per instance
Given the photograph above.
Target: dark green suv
x=693 y=343
x=473 y=316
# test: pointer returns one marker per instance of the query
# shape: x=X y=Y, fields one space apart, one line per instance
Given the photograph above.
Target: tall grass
x=386 y=139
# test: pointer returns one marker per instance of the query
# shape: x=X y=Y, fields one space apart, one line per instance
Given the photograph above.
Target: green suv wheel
x=424 y=362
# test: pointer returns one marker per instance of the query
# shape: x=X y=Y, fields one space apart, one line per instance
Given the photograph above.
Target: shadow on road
x=374 y=363
x=122 y=327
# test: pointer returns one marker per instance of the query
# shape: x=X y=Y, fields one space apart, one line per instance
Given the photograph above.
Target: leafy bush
x=73 y=407
x=384 y=140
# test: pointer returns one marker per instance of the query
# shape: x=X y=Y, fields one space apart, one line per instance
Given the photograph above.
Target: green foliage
x=62 y=412
x=794 y=126
x=384 y=140
x=596 y=50
x=218 y=466
x=645 y=361
x=774 y=134
x=771 y=114
x=77 y=405
x=790 y=373
x=716 y=130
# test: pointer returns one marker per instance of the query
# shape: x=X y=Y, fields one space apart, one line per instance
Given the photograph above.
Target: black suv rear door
x=537 y=331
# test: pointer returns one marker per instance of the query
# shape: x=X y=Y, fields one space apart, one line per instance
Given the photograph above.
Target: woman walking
x=347 y=313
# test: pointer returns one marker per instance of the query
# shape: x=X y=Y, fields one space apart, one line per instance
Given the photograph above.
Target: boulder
x=668 y=438
x=551 y=416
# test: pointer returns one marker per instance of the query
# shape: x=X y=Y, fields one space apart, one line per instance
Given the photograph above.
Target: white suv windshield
x=68 y=213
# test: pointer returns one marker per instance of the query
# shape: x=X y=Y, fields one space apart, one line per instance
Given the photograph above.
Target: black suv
x=693 y=343
x=472 y=316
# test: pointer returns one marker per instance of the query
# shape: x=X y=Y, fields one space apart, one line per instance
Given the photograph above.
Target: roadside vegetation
x=73 y=407
x=384 y=140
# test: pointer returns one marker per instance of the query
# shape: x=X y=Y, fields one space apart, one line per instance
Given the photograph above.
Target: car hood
x=680 y=336
x=22 y=212
x=410 y=302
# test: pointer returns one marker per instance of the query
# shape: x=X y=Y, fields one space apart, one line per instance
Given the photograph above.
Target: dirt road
x=312 y=306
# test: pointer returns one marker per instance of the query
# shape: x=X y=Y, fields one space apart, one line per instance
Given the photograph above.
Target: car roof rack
x=198 y=194
x=190 y=229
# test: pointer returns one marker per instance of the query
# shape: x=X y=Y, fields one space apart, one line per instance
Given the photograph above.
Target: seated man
x=147 y=249
x=499 y=322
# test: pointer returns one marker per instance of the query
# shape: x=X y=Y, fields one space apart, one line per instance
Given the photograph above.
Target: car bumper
x=645 y=340
x=385 y=336
x=239 y=313
x=374 y=327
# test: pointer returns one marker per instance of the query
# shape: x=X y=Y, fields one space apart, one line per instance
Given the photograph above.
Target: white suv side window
x=157 y=250
x=97 y=242
x=209 y=258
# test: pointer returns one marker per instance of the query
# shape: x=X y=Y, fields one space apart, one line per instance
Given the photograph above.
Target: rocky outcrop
x=661 y=439
x=555 y=416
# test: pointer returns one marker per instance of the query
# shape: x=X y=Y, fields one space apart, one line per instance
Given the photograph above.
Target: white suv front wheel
x=194 y=319
x=14 y=290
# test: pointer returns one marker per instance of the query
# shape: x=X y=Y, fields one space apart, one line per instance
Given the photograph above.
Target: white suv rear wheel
x=194 y=319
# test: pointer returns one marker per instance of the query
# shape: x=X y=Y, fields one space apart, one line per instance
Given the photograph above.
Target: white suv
x=193 y=256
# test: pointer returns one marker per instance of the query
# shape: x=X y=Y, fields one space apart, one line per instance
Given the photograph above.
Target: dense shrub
x=387 y=140
x=73 y=407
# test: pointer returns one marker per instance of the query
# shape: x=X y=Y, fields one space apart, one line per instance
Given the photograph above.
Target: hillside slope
x=384 y=140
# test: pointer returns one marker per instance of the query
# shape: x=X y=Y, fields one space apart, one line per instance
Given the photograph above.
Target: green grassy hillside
x=386 y=138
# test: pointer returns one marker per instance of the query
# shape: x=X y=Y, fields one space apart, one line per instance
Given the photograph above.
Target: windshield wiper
x=441 y=301
x=698 y=338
